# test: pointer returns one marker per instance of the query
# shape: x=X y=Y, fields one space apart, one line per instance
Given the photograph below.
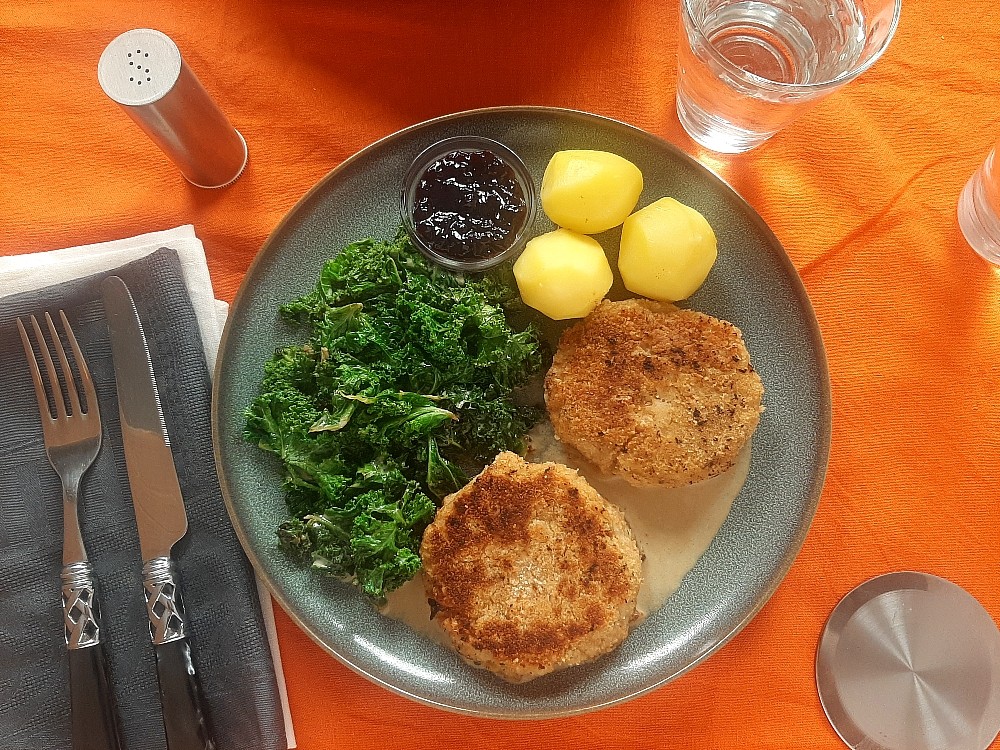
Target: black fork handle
x=92 y=701
x=94 y=712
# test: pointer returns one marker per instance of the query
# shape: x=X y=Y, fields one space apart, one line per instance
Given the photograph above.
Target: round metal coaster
x=910 y=661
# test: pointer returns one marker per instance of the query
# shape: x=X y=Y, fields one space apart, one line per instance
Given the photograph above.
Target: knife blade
x=160 y=518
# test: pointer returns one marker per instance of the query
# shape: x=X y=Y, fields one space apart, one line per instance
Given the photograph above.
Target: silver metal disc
x=910 y=661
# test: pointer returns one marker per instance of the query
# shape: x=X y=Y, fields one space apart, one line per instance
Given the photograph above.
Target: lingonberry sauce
x=468 y=205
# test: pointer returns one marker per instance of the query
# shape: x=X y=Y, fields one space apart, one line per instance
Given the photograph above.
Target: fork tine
x=50 y=368
x=81 y=364
x=74 y=396
x=36 y=376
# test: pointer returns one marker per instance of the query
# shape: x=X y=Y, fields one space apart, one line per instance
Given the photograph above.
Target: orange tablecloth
x=861 y=192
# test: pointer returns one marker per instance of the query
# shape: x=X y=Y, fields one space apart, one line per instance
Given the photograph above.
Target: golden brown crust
x=529 y=570
x=654 y=393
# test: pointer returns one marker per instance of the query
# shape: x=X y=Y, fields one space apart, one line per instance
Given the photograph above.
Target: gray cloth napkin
x=227 y=629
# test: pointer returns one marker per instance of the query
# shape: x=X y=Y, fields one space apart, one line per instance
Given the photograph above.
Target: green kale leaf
x=406 y=379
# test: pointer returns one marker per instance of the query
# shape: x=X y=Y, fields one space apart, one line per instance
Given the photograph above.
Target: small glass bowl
x=468 y=143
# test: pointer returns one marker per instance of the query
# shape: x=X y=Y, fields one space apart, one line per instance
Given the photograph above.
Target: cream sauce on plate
x=673 y=528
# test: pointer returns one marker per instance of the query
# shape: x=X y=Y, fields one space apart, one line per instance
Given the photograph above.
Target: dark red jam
x=468 y=205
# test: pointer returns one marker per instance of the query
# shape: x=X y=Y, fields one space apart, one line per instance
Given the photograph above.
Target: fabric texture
x=223 y=612
x=29 y=271
x=861 y=192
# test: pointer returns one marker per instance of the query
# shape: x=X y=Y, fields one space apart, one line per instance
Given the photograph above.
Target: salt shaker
x=143 y=71
x=979 y=209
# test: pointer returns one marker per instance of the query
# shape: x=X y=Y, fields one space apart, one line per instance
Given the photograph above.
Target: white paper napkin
x=23 y=273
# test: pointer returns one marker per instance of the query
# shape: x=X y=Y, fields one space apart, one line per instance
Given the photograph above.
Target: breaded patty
x=653 y=393
x=529 y=570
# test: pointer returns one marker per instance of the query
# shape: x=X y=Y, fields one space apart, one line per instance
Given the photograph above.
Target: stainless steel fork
x=72 y=441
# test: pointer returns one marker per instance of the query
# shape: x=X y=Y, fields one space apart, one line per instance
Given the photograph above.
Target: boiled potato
x=563 y=274
x=589 y=191
x=667 y=250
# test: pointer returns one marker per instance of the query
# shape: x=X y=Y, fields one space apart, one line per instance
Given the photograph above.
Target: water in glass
x=979 y=209
x=748 y=68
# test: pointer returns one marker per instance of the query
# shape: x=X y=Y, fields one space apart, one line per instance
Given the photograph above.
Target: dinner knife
x=160 y=518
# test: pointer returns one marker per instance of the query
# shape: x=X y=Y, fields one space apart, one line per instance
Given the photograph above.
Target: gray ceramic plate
x=753 y=284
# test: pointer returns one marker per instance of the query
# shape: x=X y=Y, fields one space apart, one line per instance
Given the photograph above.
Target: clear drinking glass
x=979 y=209
x=747 y=68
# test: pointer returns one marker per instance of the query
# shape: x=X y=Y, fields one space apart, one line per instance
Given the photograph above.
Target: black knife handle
x=184 y=716
x=94 y=713
x=92 y=701
x=183 y=710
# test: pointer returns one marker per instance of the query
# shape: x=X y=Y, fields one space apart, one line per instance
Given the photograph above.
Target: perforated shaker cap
x=143 y=71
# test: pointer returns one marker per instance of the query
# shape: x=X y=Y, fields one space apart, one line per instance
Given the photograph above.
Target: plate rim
x=824 y=415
